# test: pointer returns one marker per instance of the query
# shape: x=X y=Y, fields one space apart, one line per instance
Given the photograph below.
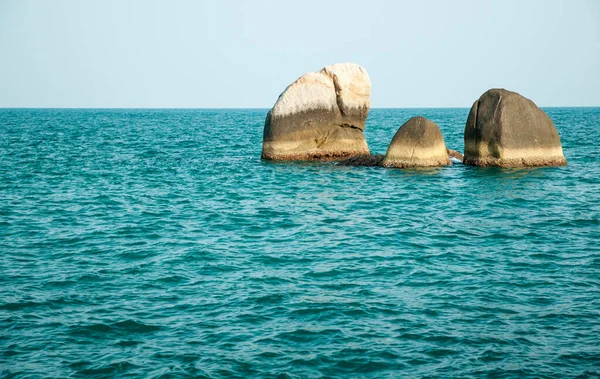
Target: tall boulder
x=508 y=130
x=418 y=143
x=321 y=116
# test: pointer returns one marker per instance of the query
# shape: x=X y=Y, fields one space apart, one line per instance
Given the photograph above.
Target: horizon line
x=263 y=108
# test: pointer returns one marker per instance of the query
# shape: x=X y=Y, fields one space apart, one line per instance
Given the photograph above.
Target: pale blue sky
x=244 y=53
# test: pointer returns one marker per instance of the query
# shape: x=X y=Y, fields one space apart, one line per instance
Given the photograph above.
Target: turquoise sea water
x=156 y=243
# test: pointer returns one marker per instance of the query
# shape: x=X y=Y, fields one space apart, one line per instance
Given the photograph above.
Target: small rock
x=455 y=154
x=418 y=143
x=372 y=160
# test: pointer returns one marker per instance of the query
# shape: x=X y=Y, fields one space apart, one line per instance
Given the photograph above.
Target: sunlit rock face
x=418 y=143
x=321 y=116
x=508 y=130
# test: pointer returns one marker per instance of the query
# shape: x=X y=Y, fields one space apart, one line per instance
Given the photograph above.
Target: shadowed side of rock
x=372 y=160
x=508 y=130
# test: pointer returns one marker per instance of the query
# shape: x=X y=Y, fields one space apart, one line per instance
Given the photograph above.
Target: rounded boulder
x=418 y=143
x=508 y=130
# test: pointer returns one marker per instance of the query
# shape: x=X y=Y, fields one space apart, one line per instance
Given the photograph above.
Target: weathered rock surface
x=508 y=130
x=418 y=143
x=320 y=116
x=372 y=160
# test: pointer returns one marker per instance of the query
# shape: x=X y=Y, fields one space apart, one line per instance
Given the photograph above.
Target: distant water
x=156 y=243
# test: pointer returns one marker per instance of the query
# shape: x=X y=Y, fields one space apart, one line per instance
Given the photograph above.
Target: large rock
x=506 y=129
x=321 y=115
x=418 y=143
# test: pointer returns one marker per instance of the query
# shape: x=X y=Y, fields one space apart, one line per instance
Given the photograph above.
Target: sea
x=155 y=243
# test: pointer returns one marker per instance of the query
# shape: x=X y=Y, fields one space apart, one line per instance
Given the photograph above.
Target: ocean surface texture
x=156 y=243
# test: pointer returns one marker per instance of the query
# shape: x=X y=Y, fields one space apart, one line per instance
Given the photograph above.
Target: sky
x=242 y=54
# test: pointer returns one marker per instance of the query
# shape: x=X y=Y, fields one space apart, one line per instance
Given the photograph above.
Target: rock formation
x=372 y=160
x=506 y=129
x=418 y=143
x=455 y=154
x=321 y=115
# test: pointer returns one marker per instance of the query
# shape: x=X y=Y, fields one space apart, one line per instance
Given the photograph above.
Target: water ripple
x=156 y=243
